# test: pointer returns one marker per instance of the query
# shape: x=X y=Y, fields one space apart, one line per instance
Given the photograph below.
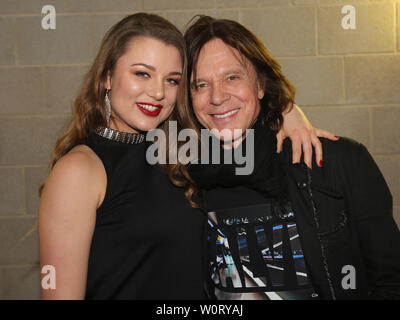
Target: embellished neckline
x=120 y=136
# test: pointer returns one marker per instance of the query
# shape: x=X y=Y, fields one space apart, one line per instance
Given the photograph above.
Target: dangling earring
x=108 y=106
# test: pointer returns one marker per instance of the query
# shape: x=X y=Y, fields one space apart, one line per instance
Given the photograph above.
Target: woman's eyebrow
x=172 y=73
x=175 y=73
x=144 y=65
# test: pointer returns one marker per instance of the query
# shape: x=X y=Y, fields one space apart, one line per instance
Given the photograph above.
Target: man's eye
x=201 y=85
x=231 y=78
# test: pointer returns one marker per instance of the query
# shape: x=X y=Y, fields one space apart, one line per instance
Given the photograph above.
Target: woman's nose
x=157 y=90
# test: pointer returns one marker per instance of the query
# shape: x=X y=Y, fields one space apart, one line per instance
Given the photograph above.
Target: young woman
x=285 y=231
x=111 y=224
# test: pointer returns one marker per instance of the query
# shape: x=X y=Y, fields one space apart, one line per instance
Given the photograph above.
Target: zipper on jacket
x=315 y=216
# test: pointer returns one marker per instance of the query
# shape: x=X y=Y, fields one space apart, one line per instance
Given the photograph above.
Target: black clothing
x=267 y=176
x=253 y=246
x=343 y=212
x=147 y=239
x=255 y=252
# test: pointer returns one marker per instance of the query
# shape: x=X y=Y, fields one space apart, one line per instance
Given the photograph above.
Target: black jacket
x=344 y=215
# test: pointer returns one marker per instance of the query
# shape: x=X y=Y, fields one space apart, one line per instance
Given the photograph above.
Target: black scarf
x=267 y=177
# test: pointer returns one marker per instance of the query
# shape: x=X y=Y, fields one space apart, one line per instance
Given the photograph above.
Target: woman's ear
x=107 y=85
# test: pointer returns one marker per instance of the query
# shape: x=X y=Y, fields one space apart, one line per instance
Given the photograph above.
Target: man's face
x=226 y=92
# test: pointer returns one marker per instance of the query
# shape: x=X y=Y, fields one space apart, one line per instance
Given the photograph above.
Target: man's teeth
x=219 y=116
x=147 y=107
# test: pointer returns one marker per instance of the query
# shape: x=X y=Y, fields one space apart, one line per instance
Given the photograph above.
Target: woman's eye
x=173 y=81
x=142 y=74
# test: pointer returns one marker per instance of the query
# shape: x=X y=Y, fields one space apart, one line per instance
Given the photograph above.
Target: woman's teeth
x=219 y=116
x=147 y=107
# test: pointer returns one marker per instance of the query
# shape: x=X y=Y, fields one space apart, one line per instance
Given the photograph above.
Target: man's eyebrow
x=199 y=80
x=173 y=73
x=233 y=71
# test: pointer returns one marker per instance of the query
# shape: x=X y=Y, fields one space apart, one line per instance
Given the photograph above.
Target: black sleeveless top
x=147 y=239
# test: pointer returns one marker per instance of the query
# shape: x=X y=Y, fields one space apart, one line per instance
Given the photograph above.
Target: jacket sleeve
x=378 y=233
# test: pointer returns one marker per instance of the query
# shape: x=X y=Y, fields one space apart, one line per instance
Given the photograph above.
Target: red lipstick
x=152 y=113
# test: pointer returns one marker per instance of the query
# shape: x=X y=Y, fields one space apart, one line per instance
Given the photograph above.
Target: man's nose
x=218 y=94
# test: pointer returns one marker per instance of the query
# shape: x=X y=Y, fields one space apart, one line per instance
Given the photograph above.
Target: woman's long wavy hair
x=278 y=91
x=89 y=107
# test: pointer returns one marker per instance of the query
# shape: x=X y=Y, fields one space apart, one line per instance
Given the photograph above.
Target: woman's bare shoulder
x=79 y=170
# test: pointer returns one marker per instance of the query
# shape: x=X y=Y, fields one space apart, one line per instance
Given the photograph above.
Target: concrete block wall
x=348 y=81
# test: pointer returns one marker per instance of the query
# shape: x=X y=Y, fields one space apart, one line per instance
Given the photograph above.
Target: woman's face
x=144 y=84
x=225 y=93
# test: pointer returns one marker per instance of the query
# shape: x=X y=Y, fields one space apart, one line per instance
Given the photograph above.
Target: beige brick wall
x=348 y=81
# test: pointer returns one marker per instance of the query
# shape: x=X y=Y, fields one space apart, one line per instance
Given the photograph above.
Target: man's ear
x=261 y=82
x=260 y=88
x=107 y=84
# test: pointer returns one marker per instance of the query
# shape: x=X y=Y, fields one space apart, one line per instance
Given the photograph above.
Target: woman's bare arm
x=304 y=136
x=67 y=216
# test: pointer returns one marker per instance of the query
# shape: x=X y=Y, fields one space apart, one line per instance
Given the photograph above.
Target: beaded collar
x=120 y=136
